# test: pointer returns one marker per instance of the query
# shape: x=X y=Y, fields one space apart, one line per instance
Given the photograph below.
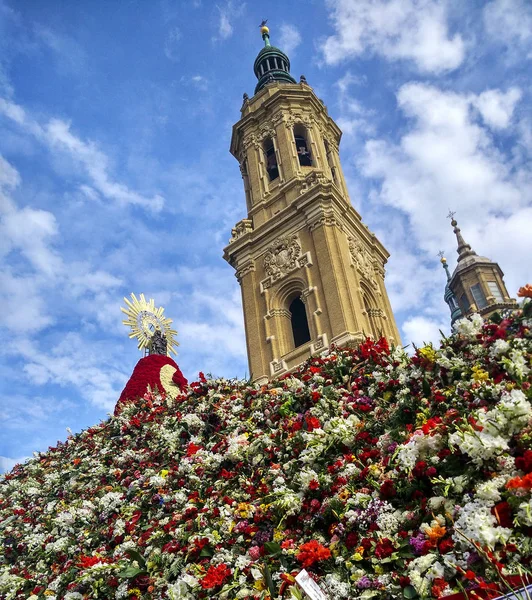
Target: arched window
x=299 y=322
x=374 y=316
x=330 y=161
x=271 y=159
x=302 y=146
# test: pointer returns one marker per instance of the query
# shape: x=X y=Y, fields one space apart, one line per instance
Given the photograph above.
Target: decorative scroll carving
x=375 y=312
x=312 y=179
x=281 y=257
x=249 y=140
x=241 y=228
x=265 y=132
x=362 y=261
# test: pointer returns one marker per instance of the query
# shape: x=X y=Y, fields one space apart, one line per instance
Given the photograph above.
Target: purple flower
x=418 y=542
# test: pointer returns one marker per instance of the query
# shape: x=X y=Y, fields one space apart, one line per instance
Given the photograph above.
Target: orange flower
x=525 y=291
x=435 y=533
x=520 y=482
x=312 y=552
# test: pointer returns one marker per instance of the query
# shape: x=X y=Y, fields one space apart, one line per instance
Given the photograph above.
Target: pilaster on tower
x=311 y=272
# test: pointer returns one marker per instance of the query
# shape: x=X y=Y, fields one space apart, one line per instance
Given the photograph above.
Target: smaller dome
x=271 y=64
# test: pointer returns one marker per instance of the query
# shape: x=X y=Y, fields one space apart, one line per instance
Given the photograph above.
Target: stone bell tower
x=477 y=283
x=311 y=272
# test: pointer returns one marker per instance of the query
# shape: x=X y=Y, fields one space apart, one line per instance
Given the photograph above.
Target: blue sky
x=115 y=174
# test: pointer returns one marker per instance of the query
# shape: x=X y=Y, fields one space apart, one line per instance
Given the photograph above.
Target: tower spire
x=271 y=64
x=449 y=296
x=463 y=249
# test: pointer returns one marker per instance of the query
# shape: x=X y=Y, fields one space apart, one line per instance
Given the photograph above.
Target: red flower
x=388 y=489
x=503 y=514
x=314 y=484
x=215 y=576
x=312 y=552
x=445 y=545
x=384 y=548
x=312 y=423
x=524 y=463
x=192 y=449
x=351 y=540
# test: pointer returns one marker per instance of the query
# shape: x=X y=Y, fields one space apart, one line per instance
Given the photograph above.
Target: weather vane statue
x=149 y=325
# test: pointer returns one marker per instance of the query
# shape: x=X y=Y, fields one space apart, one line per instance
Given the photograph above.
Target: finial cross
x=441 y=253
x=451 y=214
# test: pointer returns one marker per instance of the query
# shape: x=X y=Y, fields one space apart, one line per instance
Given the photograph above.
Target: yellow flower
x=428 y=352
x=245 y=510
x=479 y=374
x=164 y=473
x=421 y=419
x=344 y=494
x=378 y=569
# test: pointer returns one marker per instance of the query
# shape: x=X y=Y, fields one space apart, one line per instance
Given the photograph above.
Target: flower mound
x=384 y=475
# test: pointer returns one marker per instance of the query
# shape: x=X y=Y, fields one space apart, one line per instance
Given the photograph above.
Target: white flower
x=525 y=513
x=469 y=327
x=499 y=347
x=477 y=523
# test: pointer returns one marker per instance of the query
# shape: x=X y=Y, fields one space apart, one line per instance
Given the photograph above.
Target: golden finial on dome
x=263 y=29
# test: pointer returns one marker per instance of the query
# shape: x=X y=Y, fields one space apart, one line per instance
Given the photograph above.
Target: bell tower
x=311 y=273
x=477 y=284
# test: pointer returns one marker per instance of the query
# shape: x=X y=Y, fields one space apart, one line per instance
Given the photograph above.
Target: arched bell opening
x=299 y=322
x=272 y=167
x=302 y=145
x=373 y=313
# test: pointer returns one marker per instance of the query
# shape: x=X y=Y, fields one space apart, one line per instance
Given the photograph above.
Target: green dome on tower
x=271 y=64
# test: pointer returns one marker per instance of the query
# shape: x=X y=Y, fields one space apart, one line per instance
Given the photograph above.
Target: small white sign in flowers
x=309 y=586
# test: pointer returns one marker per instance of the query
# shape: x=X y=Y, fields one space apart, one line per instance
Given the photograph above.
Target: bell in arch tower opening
x=311 y=273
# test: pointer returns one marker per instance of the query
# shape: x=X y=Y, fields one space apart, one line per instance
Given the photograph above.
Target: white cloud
x=9 y=176
x=56 y=134
x=497 y=107
x=447 y=158
x=414 y=30
x=227 y=12
x=172 y=43
x=24 y=309
x=289 y=39
x=420 y=330
x=355 y=118
x=510 y=22
x=6 y=463
x=29 y=234
x=72 y=362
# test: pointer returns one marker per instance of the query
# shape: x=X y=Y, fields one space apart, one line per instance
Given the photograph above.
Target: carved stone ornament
x=249 y=140
x=281 y=257
x=265 y=132
x=362 y=261
x=241 y=228
x=312 y=179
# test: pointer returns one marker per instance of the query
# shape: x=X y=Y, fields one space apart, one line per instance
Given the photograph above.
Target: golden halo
x=144 y=319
